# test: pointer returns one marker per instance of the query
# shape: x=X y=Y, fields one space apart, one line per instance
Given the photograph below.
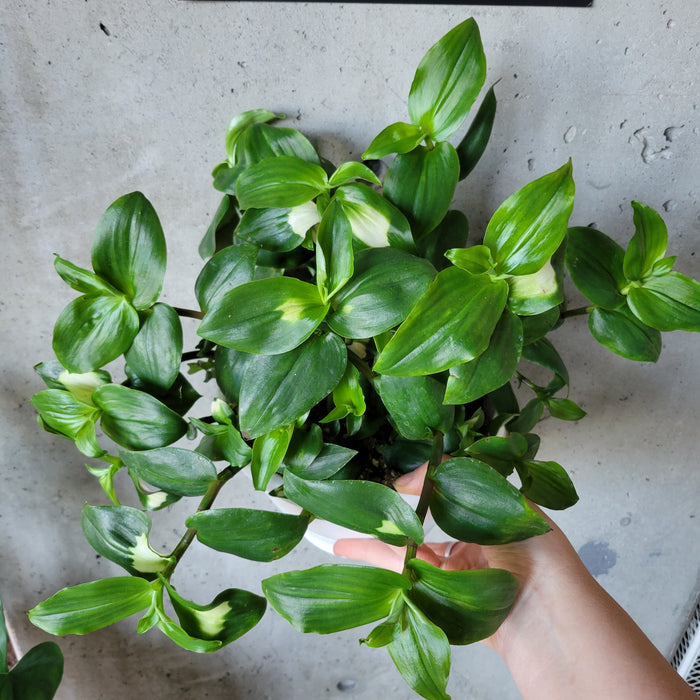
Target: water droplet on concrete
x=597 y=557
x=570 y=134
x=346 y=685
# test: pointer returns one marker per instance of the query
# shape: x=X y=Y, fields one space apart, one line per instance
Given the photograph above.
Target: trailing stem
x=580 y=311
x=190 y=313
x=427 y=491
x=206 y=503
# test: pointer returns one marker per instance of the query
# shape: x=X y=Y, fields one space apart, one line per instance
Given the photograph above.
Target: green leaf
x=82 y=280
x=282 y=181
x=385 y=286
x=398 y=137
x=374 y=221
x=623 y=333
x=421 y=653
x=548 y=484
x=648 y=245
x=347 y=172
x=229 y=367
x=544 y=354
x=450 y=234
x=3 y=641
x=531 y=224
x=667 y=303
x=36 y=676
x=120 y=534
x=348 y=397
x=416 y=405
x=334 y=256
x=529 y=295
x=528 y=417
x=473 y=145
x=537 y=326
x=150 y=499
x=219 y=235
x=174 y=470
x=466 y=605
x=156 y=353
x=447 y=81
x=594 y=262
x=363 y=506
x=261 y=141
x=252 y=534
x=91 y=606
x=490 y=370
x=229 y=616
x=333 y=597
x=268 y=316
x=268 y=453
x=474 y=503
x=273 y=396
x=129 y=249
x=243 y=121
x=329 y=461
x=62 y=413
x=81 y=385
x=229 y=268
x=499 y=452
x=94 y=330
x=278 y=230
x=136 y=420
x=422 y=183
x=564 y=409
x=450 y=324
x=475 y=259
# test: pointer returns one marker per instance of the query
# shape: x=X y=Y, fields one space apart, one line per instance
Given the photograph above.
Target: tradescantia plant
x=352 y=334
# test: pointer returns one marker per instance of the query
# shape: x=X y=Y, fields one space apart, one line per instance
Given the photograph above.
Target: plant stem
x=582 y=310
x=362 y=365
x=205 y=504
x=189 y=313
x=427 y=492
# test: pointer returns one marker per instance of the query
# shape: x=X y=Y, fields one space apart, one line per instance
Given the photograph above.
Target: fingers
x=412 y=483
x=371 y=551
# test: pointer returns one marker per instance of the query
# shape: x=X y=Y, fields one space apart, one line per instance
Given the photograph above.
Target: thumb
x=412 y=483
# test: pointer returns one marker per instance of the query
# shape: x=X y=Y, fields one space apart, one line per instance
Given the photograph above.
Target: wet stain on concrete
x=597 y=557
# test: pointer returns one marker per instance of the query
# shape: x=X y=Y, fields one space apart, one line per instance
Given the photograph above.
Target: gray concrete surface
x=100 y=98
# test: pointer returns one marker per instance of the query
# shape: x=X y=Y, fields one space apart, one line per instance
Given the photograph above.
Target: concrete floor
x=101 y=98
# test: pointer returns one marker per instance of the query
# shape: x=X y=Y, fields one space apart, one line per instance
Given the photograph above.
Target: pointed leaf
x=450 y=324
x=82 y=280
x=91 y=606
x=447 y=81
x=594 y=262
x=490 y=370
x=667 y=303
x=36 y=676
x=261 y=141
x=229 y=268
x=416 y=405
x=219 y=235
x=279 y=230
x=241 y=122
x=229 y=616
x=252 y=534
x=129 y=249
x=120 y=534
x=347 y=172
x=475 y=259
x=398 y=137
x=544 y=354
x=564 y=409
x=363 y=506
x=175 y=470
x=282 y=181
x=623 y=333
x=272 y=394
x=136 y=420
x=333 y=597
x=330 y=460
x=529 y=295
x=648 y=245
x=422 y=183
x=156 y=353
x=374 y=221
x=268 y=453
x=473 y=145
x=450 y=234
x=334 y=255
x=421 y=653
x=474 y=503
x=229 y=367
x=466 y=605
x=530 y=225
x=94 y=330
x=548 y=484
x=385 y=286
x=267 y=316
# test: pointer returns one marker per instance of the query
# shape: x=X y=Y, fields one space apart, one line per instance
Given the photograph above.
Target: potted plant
x=352 y=335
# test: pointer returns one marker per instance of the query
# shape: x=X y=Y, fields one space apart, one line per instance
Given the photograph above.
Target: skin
x=565 y=638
